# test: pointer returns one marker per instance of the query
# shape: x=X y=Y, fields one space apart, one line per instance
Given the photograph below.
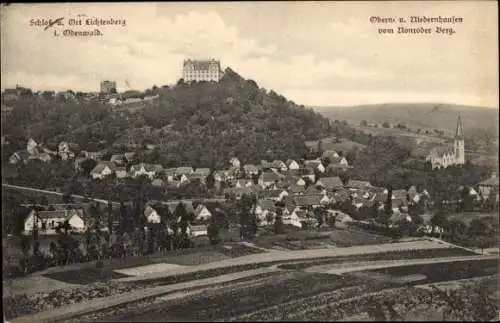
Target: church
x=442 y=157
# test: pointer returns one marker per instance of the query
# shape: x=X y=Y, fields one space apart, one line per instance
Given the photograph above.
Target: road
x=103 y=201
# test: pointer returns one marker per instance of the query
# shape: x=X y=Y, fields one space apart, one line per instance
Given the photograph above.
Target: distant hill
x=418 y=115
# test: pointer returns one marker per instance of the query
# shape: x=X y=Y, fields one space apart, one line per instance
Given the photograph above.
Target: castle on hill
x=442 y=157
x=201 y=70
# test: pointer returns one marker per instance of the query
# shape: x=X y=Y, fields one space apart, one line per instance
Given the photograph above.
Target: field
x=23 y=305
x=332 y=238
x=467 y=217
x=297 y=295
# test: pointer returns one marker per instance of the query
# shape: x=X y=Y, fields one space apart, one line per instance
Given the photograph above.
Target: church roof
x=459 y=134
x=440 y=151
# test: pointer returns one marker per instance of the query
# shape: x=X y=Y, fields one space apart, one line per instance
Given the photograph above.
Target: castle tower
x=458 y=144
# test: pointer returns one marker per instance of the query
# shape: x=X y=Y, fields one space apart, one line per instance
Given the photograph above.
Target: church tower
x=458 y=144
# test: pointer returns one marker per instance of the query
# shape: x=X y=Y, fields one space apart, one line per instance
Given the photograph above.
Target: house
x=202 y=213
x=265 y=210
x=66 y=155
x=78 y=163
x=294 y=180
x=120 y=171
x=235 y=163
x=330 y=183
x=158 y=182
x=239 y=192
x=400 y=200
x=152 y=215
x=44 y=157
x=315 y=165
x=295 y=189
x=342 y=196
x=357 y=185
x=144 y=169
x=102 y=170
x=292 y=164
x=279 y=165
x=297 y=218
x=169 y=173
x=308 y=201
x=399 y=217
x=118 y=159
x=48 y=221
x=202 y=172
x=488 y=186
x=197 y=230
x=329 y=154
x=305 y=173
x=32 y=147
x=19 y=156
x=184 y=170
x=183 y=179
x=275 y=195
x=95 y=155
x=250 y=169
x=413 y=196
x=129 y=156
x=341 y=220
x=239 y=183
x=339 y=161
x=63 y=146
x=265 y=165
x=219 y=176
x=267 y=179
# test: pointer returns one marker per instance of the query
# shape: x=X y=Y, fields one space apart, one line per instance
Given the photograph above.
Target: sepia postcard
x=250 y=161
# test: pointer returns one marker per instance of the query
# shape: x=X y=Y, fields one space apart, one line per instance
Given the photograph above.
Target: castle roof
x=202 y=65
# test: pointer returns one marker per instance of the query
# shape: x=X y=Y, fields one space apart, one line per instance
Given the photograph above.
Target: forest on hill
x=200 y=124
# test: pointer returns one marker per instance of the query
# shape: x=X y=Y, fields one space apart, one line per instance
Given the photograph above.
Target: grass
x=393 y=255
x=442 y=271
x=313 y=240
x=85 y=276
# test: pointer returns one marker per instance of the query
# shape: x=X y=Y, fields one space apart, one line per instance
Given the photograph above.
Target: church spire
x=459 y=135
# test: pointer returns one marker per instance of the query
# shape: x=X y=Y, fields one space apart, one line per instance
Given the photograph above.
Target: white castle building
x=443 y=157
x=201 y=70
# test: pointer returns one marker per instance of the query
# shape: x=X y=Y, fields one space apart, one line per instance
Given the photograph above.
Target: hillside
x=418 y=115
x=200 y=124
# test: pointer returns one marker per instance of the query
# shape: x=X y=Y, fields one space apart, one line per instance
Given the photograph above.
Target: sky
x=314 y=53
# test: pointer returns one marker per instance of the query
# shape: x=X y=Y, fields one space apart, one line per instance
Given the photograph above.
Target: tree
x=278 y=221
x=67 y=198
x=385 y=124
x=479 y=232
x=110 y=216
x=439 y=220
x=457 y=230
x=87 y=165
x=210 y=180
x=213 y=233
x=43 y=200
x=364 y=123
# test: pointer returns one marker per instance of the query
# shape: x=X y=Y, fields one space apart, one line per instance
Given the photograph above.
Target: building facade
x=448 y=156
x=108 y=87
x=201 y=70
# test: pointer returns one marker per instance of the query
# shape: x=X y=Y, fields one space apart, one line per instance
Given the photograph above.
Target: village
x=302 y=193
